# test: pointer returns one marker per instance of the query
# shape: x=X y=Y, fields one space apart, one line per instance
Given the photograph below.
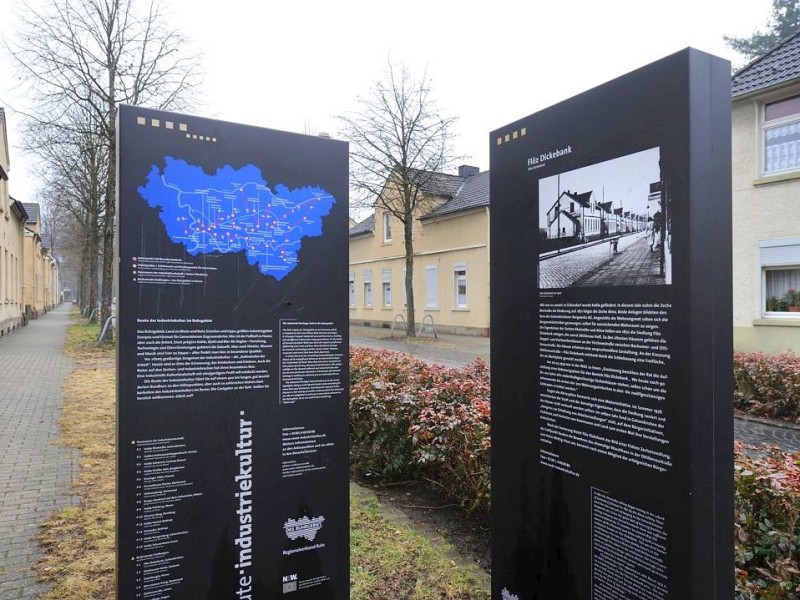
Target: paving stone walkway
x=35 y=474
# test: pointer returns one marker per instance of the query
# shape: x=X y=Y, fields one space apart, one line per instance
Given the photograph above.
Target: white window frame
x=457 y=269
x=368 y=289
x=778 y=254
x=432 y=291
x=788 y=121
x=386 y=288
x=387 y=227
x=352 y=290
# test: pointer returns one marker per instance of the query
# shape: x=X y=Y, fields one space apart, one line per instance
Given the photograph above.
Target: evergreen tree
x=784 y=21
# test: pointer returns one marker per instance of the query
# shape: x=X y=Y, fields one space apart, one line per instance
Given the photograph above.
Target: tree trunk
x=408 y=230
x=108 y=274
x=110 y=195
x=93 y=273
x=83 y=279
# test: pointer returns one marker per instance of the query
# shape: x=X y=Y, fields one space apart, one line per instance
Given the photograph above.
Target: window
x=387 y=287
x=780 y=278
x=387 y=226
x=782 y=136
x=352 y=288
x=431 y=287
x=460 y=285
x=368 y=288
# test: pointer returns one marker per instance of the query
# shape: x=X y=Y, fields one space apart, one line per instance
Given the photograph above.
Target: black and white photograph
x=606 y=224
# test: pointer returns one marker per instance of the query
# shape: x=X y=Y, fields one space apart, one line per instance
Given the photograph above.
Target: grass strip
x=388 y=561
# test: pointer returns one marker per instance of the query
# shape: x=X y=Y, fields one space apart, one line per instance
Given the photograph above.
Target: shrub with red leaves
x=413 y=420
x=767 y=527
x=767 y=385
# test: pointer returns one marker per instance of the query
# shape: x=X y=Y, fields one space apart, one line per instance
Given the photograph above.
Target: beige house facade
x=12 y=227
x=40 y=282
x=766 y=201
x=451 y=260
x=29 y=275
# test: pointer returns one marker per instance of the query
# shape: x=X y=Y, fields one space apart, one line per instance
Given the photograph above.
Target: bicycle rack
x=403 y=319
x=432 y=326
x=91 y=314
x=105 y=329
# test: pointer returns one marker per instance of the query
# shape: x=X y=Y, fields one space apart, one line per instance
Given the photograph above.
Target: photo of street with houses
x=606 y=224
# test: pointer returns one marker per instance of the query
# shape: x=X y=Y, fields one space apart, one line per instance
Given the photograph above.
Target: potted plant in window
x=792 y=300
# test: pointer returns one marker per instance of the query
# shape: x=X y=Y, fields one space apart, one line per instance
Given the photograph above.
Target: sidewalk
x=460 y=350
x=449 y=350
x=35 y=474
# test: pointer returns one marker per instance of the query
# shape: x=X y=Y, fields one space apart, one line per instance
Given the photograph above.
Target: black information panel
x=232 y=400
x=612 y=424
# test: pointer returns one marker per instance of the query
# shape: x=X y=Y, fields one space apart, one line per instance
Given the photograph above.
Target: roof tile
x=779 y=65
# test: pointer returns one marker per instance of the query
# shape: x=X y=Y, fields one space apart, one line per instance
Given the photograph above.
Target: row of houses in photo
x=29 y=275
x=451 y=234
x=582 y=218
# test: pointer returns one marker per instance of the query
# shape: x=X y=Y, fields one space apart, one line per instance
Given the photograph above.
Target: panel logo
x=304 y=527
x=289 y=583
x=506 y=595
x=536 y=162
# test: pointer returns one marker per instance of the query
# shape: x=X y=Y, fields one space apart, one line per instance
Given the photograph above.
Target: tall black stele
x=232 y=430
x=612 y=424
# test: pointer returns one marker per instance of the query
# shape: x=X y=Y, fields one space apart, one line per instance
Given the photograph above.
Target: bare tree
x=72 y=170
x=398 y=144
x=92 y=55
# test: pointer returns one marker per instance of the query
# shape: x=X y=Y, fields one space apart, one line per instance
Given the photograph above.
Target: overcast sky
x=294 y=65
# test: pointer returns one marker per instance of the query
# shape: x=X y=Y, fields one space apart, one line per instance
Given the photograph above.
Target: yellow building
x=38 y=282
x=12 y=221
x=766 y=201
x=451 y=259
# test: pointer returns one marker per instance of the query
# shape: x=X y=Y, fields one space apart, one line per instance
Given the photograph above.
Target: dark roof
x=47 y=241
x=779 y=65
x=437 y=184
x=33 y=211
x=365 y=226
x=23 y=215
x=473 y=192
x=3 y=174
x=583 y=199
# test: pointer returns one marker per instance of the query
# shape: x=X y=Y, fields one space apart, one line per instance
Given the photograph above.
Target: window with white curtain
x=781 y=136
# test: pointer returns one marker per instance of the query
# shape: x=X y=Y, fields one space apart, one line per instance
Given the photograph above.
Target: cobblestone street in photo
x=595 y=265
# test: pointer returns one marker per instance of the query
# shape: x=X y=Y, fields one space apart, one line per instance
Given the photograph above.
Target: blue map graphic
x=235 y=210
